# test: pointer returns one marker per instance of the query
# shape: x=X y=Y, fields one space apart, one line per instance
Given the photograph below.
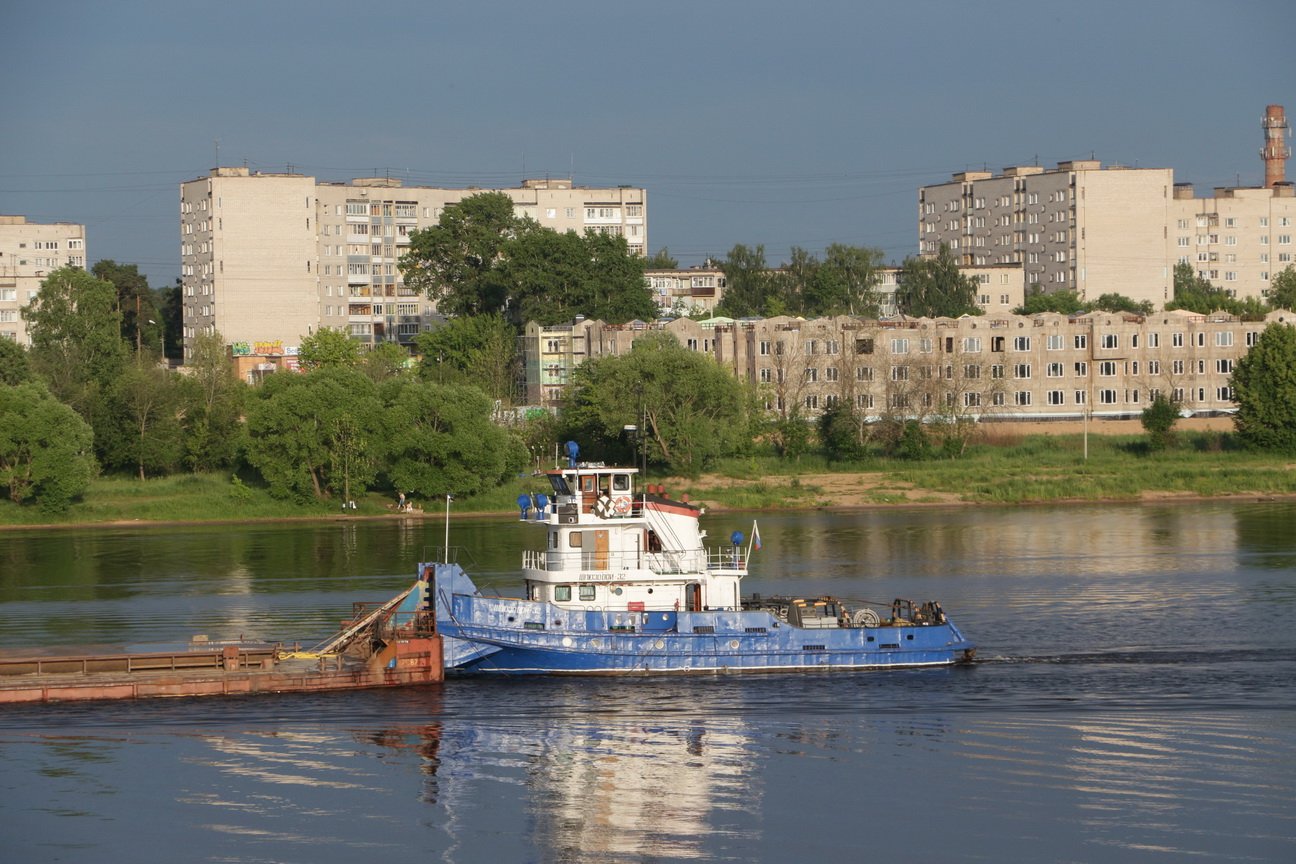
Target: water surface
x=1133 y=702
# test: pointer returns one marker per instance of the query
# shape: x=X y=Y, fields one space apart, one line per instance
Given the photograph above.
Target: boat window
x=559 y=484
x=620 y=482
x=574 y=539
x=587 y=483
x=562 y=592
x=586 y=592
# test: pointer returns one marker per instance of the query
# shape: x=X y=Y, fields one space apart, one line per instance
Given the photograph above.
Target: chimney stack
x=1275 y=151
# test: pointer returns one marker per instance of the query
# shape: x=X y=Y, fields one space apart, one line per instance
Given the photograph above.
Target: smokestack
x=1275 y=151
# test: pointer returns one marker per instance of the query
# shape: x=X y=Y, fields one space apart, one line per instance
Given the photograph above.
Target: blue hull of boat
x=508 y=636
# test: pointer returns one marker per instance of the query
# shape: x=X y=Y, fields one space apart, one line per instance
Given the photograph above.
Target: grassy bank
x=217 y=497
x=1034 y=469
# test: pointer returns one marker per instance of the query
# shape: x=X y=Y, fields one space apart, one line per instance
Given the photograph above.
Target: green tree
x=661 y=260
x=749 y=284
x=480 y=350
x=15 y=368
x=141 y=317
x=327 y=347
x=385 y=360
x=1196 y=294
x=45 y=448
x=1038 y=300
x=213 y=406
x=553 y=277
x=847 y=282
x=441 y=439
x=171 y=305
x=934 y=288
x=75 y=328
x=1282 y=291
x=309 y=434
x=1158 y=421
x=144 y=432
x=1113 y=302
x=456 y=262
x=691 y=410
x=1264 y=387
x=839 y=432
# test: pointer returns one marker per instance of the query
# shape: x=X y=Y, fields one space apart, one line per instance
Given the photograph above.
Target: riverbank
x=1010 y=463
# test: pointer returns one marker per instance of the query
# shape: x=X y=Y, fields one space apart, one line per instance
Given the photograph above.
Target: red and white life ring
x=621 y=504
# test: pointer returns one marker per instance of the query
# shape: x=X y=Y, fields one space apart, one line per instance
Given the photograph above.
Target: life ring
x=621 y=505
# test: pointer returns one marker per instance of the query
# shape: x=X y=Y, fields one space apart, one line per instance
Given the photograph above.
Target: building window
x=1021 y=343
x=1054 y=370
x=1082 y=369
x=1107 y=368
x=1056 y=342
x=1224 y=339
x=1110 y=340
x=1022 y=370
x=1107 y=397
x=1082 y=340
x=1056 y=397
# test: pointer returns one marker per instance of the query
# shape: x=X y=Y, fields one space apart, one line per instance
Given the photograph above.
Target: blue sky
x=776 y=123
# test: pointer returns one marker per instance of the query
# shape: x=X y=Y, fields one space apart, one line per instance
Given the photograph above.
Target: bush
x=1158 y=421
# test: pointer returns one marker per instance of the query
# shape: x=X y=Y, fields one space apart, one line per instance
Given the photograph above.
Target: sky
x=759 y=122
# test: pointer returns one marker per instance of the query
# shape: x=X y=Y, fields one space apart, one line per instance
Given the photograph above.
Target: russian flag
x=756 y=536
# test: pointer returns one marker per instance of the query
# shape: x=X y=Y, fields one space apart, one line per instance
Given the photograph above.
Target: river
x=1133 y=701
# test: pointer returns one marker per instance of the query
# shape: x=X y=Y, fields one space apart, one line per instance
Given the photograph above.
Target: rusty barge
x=391 y=644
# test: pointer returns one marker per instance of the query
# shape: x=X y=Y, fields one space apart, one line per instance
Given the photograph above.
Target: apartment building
x=686 y=291
x=1080 y=227
x=30 y=251
x=997 y=366
x=1239 y=239
x=268 y=258
x=1095 y=230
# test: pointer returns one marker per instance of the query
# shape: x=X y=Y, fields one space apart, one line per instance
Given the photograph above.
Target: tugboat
x=626 y=585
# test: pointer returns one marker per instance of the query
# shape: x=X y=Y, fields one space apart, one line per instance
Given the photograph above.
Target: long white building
x=30 y=251
x=266 y=259
x=1082 y=227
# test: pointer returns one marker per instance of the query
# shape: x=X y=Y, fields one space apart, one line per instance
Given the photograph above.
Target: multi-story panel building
x=30 y=251
x=1080 y=227
x=686 y=291
x=268 y=258
x=996 y=366
x=1240 y=239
